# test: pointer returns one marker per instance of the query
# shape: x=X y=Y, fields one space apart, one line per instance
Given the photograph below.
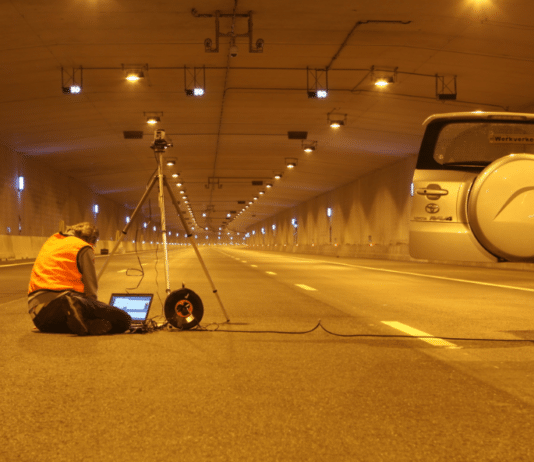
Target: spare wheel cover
x=500 y=207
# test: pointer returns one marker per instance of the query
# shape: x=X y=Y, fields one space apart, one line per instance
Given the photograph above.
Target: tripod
x=159 y=146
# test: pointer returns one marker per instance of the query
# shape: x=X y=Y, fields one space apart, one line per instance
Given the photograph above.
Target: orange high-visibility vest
x=56 y=265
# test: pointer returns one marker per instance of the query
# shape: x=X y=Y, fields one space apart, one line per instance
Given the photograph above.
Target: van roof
x=479 y=116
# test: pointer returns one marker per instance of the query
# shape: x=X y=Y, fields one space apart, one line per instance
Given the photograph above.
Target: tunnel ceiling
x=442 y=56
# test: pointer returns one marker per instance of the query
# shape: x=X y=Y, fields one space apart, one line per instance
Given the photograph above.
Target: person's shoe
x=98 y=326
x=75 y=320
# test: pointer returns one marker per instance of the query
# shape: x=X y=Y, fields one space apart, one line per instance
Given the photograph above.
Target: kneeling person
x=62 y=295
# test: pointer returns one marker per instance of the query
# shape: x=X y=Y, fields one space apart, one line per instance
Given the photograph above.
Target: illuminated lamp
x=134 y=75
x=320 y=94
x=309 y=146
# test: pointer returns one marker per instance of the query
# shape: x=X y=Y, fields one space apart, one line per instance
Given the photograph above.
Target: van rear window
x=473 y=144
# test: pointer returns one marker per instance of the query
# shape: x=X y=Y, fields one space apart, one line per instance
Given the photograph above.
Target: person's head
x=86 y=231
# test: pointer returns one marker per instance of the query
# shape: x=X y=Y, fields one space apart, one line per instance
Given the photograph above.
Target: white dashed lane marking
x=418 y=333
x=305 y=287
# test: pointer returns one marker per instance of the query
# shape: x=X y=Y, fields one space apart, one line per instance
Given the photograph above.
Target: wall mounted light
x=20 y=183
x=95 y=208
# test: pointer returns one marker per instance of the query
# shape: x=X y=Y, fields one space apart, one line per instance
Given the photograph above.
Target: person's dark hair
x=86 y=231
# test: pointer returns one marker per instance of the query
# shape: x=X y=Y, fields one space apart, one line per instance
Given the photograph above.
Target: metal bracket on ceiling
x=316 y=82
x=72 y=83
x=253 y=48
x=446 y=87
x=214 y=182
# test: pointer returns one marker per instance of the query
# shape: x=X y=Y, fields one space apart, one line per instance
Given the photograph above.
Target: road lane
x=268 y=396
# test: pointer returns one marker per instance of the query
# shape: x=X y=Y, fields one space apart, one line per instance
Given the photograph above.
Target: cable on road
x=215 y=327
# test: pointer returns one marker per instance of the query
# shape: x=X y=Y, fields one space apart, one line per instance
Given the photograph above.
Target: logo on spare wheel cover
x=432 y=208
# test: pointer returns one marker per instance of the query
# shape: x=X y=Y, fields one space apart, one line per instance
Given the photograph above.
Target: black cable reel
x=184 y=309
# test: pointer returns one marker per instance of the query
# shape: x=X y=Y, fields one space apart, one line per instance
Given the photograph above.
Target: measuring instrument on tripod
x=183 y=307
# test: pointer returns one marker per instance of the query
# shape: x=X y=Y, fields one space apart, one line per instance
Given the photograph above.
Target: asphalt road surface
x=323 y=359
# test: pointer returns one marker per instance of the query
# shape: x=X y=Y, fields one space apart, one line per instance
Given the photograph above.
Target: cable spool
x=184 y=309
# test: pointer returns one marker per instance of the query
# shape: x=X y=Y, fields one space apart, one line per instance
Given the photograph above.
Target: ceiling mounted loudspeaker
x=183 y=309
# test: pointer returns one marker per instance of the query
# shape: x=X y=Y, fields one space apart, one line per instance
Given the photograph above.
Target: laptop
x=136 y=305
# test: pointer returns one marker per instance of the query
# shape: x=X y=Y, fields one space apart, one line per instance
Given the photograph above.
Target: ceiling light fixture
x=291 y=162
x=383 y=77
x=134 y=72
x=171 y=162
x=309 y=146
x=336 y=120
x=134 y=76
x=153 y=118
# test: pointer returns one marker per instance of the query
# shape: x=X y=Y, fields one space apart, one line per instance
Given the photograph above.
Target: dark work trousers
x=53 y=316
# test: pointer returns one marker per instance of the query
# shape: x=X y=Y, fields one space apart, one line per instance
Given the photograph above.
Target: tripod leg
x=161 y=202
x=125 y=230
x=192 y=240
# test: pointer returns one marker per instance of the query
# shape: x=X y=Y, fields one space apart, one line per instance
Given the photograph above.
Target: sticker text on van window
x=506 y=138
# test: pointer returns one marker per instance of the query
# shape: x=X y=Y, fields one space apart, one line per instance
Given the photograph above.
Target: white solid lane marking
x=502 y=286
x=305 y=287
x=418 y=333
x=408 y=273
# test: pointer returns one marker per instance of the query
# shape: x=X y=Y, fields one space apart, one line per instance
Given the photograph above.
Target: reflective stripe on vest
x=56 y=266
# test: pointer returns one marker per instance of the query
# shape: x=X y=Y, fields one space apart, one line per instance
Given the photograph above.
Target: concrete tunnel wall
x=30 y=216
x=369 y=215
x=369 y=218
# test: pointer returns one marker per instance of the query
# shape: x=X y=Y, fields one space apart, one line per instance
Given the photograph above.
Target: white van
x=473 y=188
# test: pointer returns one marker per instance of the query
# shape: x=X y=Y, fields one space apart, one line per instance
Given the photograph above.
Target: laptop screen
x=136 y=305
